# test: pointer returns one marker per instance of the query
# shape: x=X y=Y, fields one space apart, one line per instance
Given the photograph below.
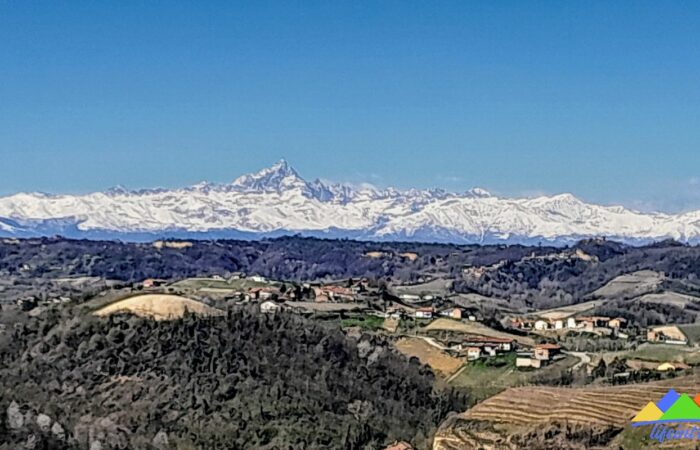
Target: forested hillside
x=242 y=381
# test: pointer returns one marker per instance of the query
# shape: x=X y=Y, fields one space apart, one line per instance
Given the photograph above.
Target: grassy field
x=568 y=311
x=692 y=331
x=196 y=284
x=468 y=327
x=487 y=377
x=365 y=322
x=438 y=360
x=664 y=352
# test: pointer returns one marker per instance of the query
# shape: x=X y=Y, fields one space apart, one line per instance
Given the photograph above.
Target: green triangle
x=683 y=409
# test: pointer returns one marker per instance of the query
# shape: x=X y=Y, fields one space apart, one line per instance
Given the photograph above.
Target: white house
x=571 y=323
x=558 y=324
x=473 y=353
x=424 y=313
x=541 y=325
x=269 y=307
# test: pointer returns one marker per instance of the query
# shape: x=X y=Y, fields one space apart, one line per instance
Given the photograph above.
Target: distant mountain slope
x=277 y=201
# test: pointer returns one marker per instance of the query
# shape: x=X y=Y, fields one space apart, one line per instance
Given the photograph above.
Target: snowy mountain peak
x=276 y=201
x=278 y=177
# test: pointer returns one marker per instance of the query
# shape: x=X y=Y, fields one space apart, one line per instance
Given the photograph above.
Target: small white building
x=473 y=353
x=571 y=323
x=424 y=313
x=269 y=307
x=541 y=325
x=558 y=324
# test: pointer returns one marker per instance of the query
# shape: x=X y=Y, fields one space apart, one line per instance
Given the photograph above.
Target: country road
x=583 y=357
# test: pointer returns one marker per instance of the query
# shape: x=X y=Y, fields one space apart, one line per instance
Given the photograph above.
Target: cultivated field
x=430 y=355
x=475 y=328
x=669 y=298
x=568 y=311
x=630 y=285
x=158 y=307
x=528 y=408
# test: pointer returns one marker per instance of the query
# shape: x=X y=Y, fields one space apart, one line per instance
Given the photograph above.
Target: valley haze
x=277 y=201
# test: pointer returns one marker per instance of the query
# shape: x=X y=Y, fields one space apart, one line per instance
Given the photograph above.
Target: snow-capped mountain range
x=277 y=201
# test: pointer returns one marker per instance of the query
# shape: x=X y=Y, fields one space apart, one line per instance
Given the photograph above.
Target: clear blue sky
x=601 y=99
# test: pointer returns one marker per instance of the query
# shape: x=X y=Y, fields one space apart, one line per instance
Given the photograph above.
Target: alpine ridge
x=278 y=201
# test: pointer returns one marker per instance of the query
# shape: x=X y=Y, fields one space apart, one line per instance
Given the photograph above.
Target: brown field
x=604 y=405
x=475 y=328
x=158 y=307
x=430 y=355
x=391 y=325
x=521 y=410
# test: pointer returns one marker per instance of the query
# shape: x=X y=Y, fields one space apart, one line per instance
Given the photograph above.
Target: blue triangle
x=668 y=400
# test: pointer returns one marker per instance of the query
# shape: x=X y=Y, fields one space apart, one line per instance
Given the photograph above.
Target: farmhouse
x=527 y=359
x=541 y=325
x=473 y=353
x=545 y=352
x=424 y=313
x=263 y=293
x=333 y=293
x=669 y=334
x=270 y=307
x=454 y=313
x=617 y=322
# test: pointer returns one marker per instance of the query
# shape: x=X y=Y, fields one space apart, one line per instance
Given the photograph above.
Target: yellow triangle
x=649 y=413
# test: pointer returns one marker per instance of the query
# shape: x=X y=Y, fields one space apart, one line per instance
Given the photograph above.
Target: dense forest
x=241 y=381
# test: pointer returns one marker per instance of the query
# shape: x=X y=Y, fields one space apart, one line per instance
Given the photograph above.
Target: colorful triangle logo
x=672 y=407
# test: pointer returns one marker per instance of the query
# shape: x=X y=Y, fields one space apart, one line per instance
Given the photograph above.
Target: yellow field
x=430 y=355
x=158 y=307
x=475 y=328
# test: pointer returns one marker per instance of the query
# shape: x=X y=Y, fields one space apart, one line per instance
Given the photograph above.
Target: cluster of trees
x=241 y=381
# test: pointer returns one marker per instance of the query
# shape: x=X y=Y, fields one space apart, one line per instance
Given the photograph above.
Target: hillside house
x=522 y=324
x=541 y=325
x=546 y=352
x=669 y=334
x=571 y=323
x=270 y=307
x=473 y=353
x=453 y=313
x=265 y=293
x=593 y=322
x=335 y=293
x=527 y=359
x=617 y=323
x=488 y=346
x=423 y=313
x=672 y=366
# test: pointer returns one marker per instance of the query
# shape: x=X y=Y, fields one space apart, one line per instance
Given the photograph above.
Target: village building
x=541 y=325
x=269 y=307
x=527 y=359
x=546 y=352
x=424 y=313
x=571 y=322
x=617 y=322
x=453 y=313
x=265 y=293
x=473 y=353
x=669 y=334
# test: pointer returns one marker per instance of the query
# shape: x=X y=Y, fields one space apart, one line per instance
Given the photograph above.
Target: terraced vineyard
x=527 y=409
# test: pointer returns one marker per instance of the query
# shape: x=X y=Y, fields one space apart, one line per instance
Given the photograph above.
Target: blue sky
x=601 y=99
